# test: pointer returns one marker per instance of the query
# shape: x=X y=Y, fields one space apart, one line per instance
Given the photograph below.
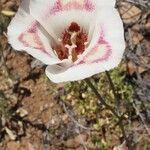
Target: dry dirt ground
x=33 y=116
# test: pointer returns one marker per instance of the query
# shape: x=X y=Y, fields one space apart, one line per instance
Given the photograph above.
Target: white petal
x=25 y=33
x=56 y=15
x=61 y=74
x=109 y=33
x=104 y=3
x=104 y=53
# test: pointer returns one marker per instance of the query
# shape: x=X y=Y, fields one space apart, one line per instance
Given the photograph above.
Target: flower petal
x=104 y=52
x=58 y=74
x=107 y=33
x=56 y=15
x=104 y=3
x=25 y=33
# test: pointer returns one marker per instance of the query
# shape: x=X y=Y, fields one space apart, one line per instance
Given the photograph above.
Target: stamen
x=72 y=43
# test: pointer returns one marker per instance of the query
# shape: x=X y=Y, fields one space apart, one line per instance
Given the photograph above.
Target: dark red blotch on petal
x=74 y=27
x=61 y=51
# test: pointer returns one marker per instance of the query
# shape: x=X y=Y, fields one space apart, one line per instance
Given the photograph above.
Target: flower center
x=72 y=43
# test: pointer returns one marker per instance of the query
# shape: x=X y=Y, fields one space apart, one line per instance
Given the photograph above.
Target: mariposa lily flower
x=75 y=38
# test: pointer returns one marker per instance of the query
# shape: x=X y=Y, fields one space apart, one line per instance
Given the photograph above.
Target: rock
x=12 y=136
x=121 y=147
x=136 y=37
x=129 y=13
x=22 y=112
x=147 y=25
x=132 y=68
x=77 y=141
x=30 y=146
x=12 y=146
x=90 y=146
x=82 y=137
x=70 y=144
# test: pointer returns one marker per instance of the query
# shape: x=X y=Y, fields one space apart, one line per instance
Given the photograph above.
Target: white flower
x=75 y=38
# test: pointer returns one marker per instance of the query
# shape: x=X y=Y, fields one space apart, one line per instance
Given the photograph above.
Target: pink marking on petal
x=89 y=6
x=101 y=42
x=33 y=32
x=71 y=5
x=33 y=28
x=105 y=56
x=81 y=62
x=108 y=52
x=56 y=8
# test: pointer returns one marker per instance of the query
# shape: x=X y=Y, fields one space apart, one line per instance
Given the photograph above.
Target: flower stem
x=100 y=98
x=114 y=91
